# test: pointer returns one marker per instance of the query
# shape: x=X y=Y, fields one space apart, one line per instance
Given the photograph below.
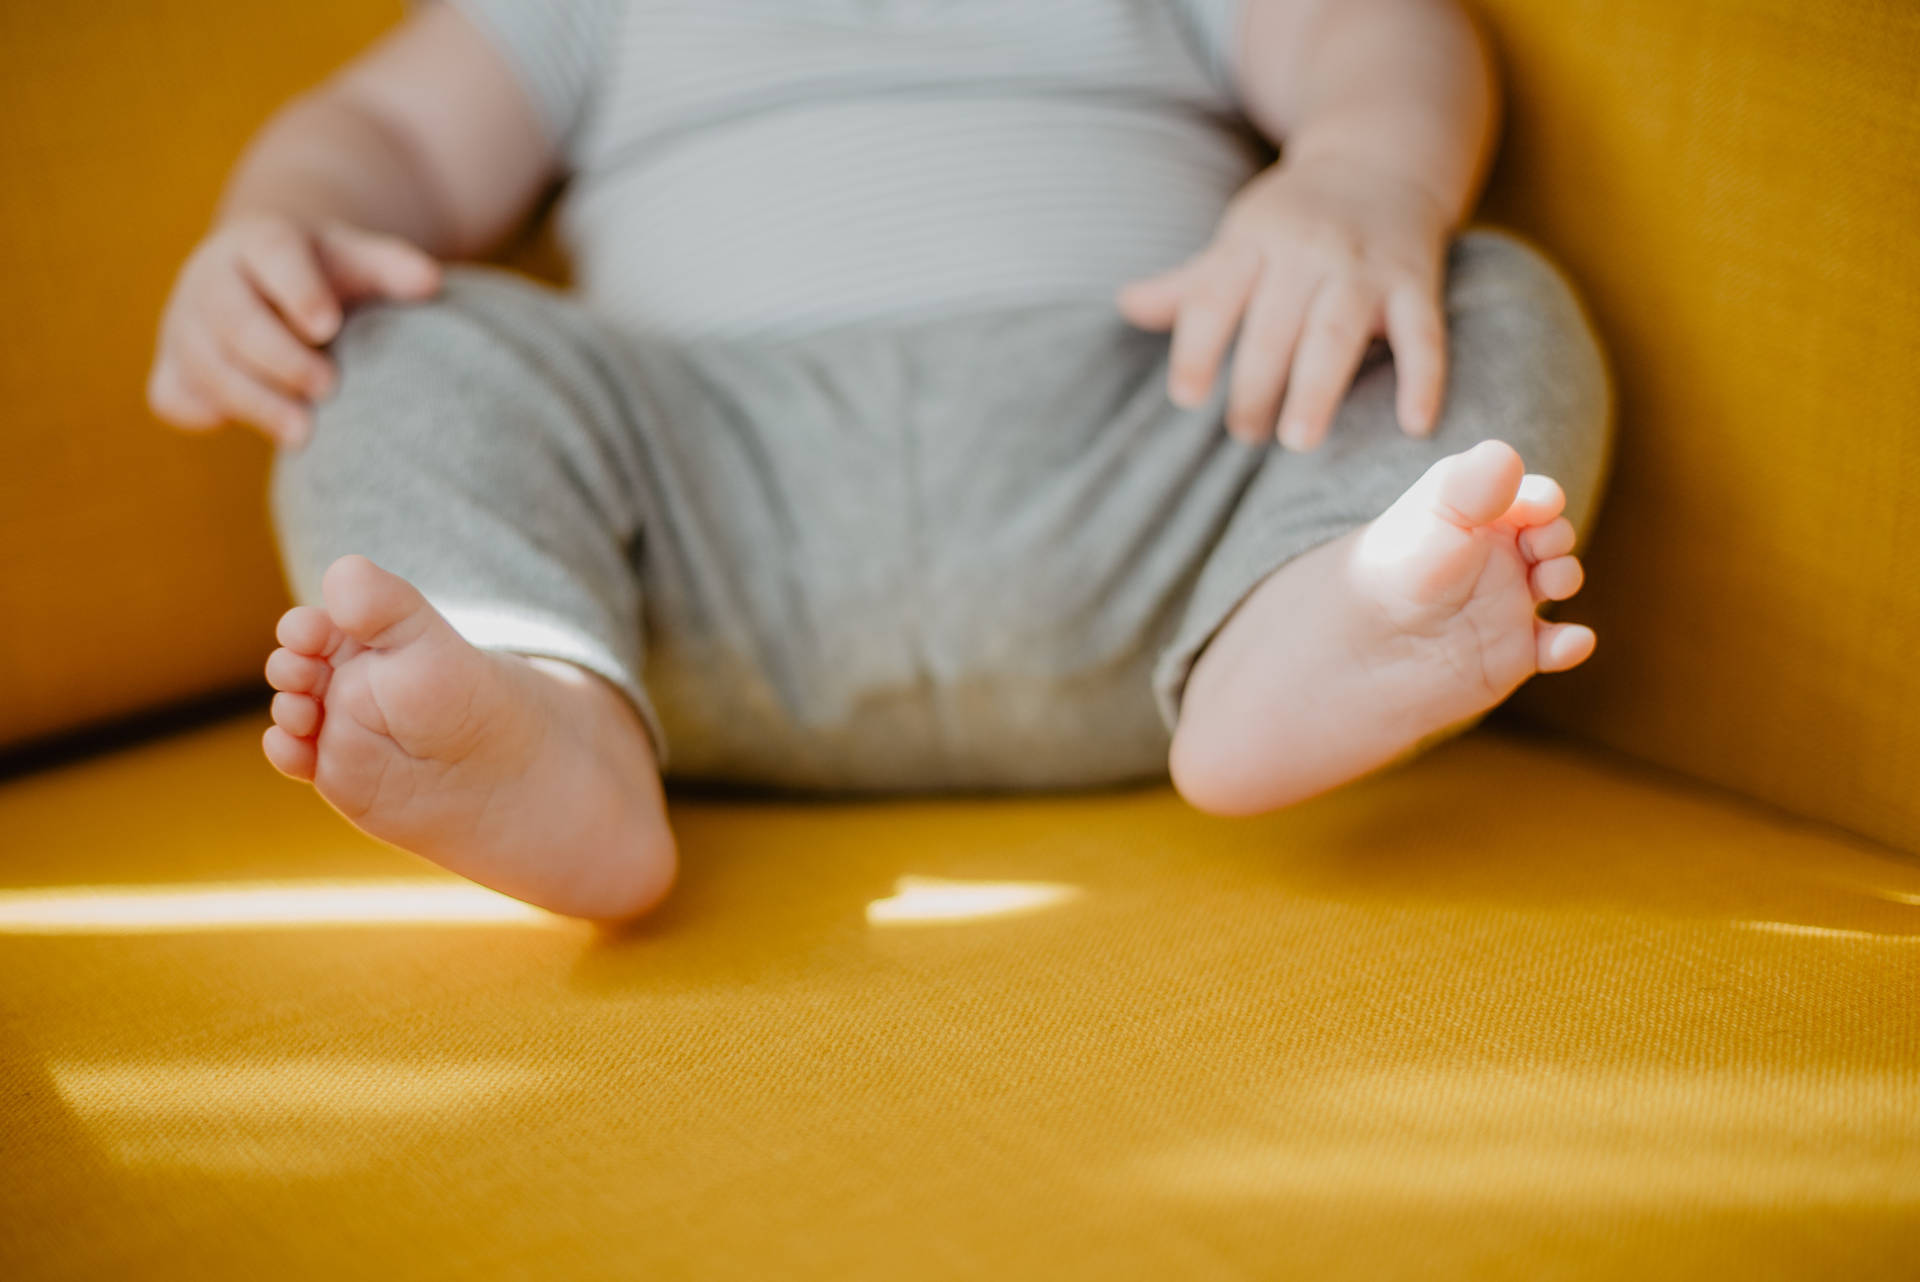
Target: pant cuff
x=1234 y=569
x=542 y=636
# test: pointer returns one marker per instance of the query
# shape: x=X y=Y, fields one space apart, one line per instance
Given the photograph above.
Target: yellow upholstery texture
x=135 y=564
x=1509 y=1012
x=1736 y=186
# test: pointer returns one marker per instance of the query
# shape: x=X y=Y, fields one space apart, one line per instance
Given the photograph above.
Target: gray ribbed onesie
x=942 y=534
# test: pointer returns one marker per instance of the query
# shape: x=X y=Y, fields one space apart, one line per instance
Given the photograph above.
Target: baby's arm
x=423 y=148
x=1404 y=86
x=1384 y=111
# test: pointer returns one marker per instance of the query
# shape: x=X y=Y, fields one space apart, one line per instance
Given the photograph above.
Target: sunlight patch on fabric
x=298 y=1115
x=1824 y=932
x=920 y=901
x=274 y=905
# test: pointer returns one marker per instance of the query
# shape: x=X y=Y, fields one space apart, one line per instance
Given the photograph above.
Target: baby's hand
x=1312 y=261
x=250 y=306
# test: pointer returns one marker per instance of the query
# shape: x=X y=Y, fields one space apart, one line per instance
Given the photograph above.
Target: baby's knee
x=1527 y=359
x=412 y=375
x=1499 y=284
x=385 y=347
x=396 y=363
x=1491 y=265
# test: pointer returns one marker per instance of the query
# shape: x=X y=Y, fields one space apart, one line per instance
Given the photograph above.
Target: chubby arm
x=426 y=136
x=1384 y=111
x=1403 y=86
x=425 y=147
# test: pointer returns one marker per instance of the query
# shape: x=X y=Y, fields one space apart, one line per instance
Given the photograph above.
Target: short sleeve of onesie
x=1215 y=25
x=555 y=48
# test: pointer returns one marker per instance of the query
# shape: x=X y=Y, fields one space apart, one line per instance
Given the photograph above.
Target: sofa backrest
x=136 y=568
x=1735 y=184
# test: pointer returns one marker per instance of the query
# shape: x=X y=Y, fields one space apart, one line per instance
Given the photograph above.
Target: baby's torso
x=756 y=167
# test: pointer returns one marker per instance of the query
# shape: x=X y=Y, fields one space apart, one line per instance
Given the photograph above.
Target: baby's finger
x=1417 y=333
x=1152 y=303
x=1268 y=336
x=1340 y=324
x=364 y=264
x=172 y=399
x=1209 y=314
x=241 y=397
x=280 y=262
x=254 y=335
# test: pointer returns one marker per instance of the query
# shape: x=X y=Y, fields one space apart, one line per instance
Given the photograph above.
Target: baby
x=954 y=395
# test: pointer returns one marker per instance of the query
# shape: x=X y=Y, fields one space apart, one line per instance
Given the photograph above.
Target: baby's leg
x=1408 y=572
x=470 y=693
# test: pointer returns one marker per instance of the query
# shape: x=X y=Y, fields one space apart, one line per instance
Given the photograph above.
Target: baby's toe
x=1559 y=646
x=373 y=605
x=298 y=673
x=297 y=714
x=1540 y=500
x=307 y=629
x=1475 y=487
x=1557 y=579
x=291 y=756
x=1544 y=542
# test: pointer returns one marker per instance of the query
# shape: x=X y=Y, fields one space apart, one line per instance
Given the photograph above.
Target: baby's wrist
x=1345 y=165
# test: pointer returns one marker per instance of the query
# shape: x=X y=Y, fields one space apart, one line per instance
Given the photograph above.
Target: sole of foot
x=531 y=776
x=1348 y=657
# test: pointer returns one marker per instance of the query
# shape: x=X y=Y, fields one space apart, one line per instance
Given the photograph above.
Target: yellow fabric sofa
x=1622 y=985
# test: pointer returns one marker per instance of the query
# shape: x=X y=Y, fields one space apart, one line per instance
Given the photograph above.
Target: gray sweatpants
x=969 y=552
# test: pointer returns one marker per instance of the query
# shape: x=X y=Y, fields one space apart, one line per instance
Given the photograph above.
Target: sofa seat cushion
x=1511 y=1010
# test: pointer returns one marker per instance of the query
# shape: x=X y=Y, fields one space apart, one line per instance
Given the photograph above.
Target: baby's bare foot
x=528 y=775
x=1342 y=660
